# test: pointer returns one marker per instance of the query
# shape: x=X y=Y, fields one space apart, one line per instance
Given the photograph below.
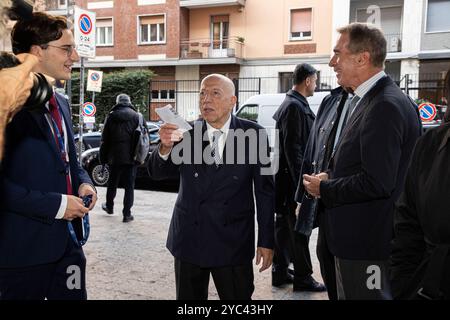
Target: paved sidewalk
x=130 y=261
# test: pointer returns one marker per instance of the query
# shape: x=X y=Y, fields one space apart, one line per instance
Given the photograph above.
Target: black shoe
x=105 y=208
x=128 y=218
x=308 y=284
x=279 y=280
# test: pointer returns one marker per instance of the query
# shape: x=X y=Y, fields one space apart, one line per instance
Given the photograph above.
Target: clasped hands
x=312 y=183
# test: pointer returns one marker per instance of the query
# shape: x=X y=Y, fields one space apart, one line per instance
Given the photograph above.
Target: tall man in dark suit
x=41 y=181
x=376 y=136
x=213 y=224
x=294 y=120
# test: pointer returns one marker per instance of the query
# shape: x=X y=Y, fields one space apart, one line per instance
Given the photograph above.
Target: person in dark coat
x=294 y=120
x=311 y=210
x=367 y=169
x=116 y=150
x=420 y=259
x=212 y=231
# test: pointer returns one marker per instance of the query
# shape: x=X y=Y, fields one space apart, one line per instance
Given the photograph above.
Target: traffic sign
x=427 y=111
x=89 y=109
x=84 y=32
x=89 y=119
x=94 y=82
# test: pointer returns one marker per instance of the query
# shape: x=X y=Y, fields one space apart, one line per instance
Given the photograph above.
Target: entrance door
x=219 y=36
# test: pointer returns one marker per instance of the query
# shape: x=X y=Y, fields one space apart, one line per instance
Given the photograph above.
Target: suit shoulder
x=247 y=124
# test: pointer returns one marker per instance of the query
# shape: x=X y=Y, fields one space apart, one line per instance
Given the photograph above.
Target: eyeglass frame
x=67 y=47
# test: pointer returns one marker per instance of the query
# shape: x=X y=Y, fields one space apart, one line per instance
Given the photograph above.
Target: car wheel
x=100 y=175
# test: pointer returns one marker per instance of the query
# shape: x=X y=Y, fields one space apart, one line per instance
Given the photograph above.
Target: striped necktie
x=215 y=147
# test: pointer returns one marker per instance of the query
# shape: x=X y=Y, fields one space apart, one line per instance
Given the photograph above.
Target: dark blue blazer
x=32 y=180
x=213 y=222
x=367 y=173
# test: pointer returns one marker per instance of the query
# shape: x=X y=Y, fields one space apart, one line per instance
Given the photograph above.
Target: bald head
x=227 y=84
x=217 y=99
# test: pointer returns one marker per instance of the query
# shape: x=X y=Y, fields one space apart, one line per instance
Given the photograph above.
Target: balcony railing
x=209 y=49
x=394 y=42
x=192 y=4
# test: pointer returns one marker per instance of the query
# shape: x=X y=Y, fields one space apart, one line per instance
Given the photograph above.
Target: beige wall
x=265 y=26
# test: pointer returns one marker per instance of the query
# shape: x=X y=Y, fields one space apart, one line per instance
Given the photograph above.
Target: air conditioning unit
x=395 y=44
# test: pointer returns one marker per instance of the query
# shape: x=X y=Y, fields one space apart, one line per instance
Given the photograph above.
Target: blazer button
x=196 y=175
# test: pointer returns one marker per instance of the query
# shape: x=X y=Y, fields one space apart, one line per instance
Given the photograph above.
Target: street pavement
x=129 y=261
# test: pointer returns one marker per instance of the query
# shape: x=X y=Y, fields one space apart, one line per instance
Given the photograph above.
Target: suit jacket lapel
x=362 y=107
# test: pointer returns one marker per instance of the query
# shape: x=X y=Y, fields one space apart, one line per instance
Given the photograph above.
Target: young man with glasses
x=41 y=181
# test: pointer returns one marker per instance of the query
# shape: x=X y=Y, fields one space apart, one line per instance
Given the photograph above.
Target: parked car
x=90 y=140
x=261 y=108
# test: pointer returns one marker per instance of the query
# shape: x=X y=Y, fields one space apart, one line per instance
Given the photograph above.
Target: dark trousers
x=128 y=175
x=362 y=280
x=232 y=283
x=326 y=260
x=290 y=246
x=64 y=279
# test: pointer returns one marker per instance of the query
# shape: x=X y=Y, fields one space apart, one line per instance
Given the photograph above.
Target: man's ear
x=364 y=58
x=37 y=51
x=233 y=101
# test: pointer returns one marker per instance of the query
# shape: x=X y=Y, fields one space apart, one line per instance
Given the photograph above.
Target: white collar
x=224 y=128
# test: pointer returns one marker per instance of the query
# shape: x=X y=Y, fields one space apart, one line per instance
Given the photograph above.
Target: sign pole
x=93 y=97
x=80 y=133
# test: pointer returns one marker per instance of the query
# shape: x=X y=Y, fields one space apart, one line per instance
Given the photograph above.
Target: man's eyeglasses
x=68 y=48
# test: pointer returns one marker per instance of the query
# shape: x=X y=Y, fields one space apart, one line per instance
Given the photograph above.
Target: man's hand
x=17 y=83
x=312 y=183
x=75 y=208
x=15 y=88
x=86 y=189
x=266 y=255
x=169 y=135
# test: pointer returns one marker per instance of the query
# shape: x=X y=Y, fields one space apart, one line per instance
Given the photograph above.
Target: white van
x=261 y=108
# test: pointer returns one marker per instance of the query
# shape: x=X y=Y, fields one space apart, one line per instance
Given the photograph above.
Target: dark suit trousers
x=362 y=280
x=326 y=260
x=232 y=283
x=128 y=175
x=290 y=246
x=64 y=279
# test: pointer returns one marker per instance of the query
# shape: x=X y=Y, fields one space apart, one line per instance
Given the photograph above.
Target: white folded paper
x=167 y=115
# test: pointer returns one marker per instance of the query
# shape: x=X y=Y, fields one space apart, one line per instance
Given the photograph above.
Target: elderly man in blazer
x=375 y=137
x=212 y=231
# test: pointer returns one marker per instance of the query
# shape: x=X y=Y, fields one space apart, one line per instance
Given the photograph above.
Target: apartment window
x=163 y=94
x=436 y=19
x=152 y=29
x=301 y=24
x=104 y=32
x=62 y=4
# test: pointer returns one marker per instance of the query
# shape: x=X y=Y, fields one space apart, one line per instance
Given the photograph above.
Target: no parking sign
x=89 y=109
x=94 y=82
x=427 y=111
x=84 y=26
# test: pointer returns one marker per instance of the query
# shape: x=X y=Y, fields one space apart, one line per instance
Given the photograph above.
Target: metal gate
x=183 y=95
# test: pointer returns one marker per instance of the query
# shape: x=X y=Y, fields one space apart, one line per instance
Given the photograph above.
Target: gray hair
x=4 y=4
x=123 y=99
x=366 y=37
